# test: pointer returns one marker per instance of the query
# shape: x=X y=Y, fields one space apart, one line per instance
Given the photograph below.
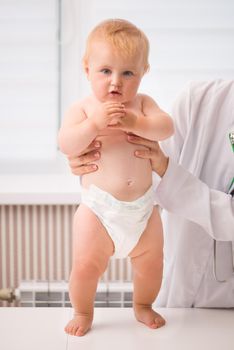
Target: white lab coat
x=193 y=193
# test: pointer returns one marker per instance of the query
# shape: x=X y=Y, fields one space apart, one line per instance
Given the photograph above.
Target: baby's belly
x=119 y=172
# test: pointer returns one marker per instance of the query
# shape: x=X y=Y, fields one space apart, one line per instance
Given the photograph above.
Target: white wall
x=28 y=79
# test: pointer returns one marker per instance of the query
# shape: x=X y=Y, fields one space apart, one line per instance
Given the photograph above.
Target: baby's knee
x=150 y=268
x=86 y=268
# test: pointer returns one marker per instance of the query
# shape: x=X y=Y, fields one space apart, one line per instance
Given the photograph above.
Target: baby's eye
x=105 y=71
x=128 y=73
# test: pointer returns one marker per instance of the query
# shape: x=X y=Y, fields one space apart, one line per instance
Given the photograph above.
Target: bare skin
x=143 y=255
x=91 y=252
x=114 y=110
x=147 y=264
x=85 y=163
x=146 y=259
x=79 y=325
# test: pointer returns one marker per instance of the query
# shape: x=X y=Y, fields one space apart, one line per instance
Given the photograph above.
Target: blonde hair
x=124 y=36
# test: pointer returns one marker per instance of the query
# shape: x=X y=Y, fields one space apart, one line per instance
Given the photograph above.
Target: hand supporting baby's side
x=85 y=162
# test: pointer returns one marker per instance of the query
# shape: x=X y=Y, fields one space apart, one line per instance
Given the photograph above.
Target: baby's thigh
x=151 y=240
x=90 y=238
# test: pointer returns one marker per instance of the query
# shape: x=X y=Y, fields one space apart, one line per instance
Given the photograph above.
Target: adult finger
x=84 y=159
x=142 y=141
x=84 y=169
x=144 y=153
x=93 y=146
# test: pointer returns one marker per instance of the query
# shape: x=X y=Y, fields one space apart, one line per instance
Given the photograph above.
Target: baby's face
x=112 y=76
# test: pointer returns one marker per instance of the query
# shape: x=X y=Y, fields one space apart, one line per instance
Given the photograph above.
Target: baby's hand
x=108 y=113
x=127 y=122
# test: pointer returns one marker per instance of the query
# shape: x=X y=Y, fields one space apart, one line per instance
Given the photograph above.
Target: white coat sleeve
x=211 y=209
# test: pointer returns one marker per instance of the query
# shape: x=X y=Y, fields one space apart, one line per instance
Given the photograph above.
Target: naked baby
x=116 y=216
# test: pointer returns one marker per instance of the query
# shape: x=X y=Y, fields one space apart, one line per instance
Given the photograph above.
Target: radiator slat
x=67 y=239
x=42 y=250
x=51 y=243
x=35 y=243
x=19 y=241
x=27 y=246
x=3 y=248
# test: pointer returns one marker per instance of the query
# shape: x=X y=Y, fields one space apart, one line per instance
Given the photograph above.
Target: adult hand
x=82 y=164
x=153 y=152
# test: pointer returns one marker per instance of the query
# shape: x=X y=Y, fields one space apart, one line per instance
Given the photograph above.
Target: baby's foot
x=148 y=316
x=79 y=325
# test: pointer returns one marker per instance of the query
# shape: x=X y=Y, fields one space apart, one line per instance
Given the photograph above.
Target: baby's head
x=124 y=37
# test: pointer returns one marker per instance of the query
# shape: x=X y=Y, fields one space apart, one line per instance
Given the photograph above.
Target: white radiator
x=35 y=244
x=55 y=294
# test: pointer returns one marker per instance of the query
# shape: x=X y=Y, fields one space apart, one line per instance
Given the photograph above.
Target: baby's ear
x=86 y=68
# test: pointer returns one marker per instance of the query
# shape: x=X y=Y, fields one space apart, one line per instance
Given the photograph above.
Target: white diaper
x=124 y=221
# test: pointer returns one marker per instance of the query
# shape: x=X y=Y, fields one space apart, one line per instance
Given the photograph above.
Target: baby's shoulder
x=76 y=112
x=84 y=101
x=144 y=98
x=88 y=103
x=144 y=101
x=88 y=99
x=81 y=105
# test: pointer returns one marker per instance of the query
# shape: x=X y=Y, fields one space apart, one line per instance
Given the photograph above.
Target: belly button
x=129 y=182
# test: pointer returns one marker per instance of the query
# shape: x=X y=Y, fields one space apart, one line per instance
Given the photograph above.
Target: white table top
x=116 y=329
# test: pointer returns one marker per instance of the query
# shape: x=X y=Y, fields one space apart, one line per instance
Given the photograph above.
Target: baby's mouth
x=115 y=93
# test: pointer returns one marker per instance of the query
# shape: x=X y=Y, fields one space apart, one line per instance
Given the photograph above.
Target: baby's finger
x=116 y=110
x=117 y=115
x=114 y=104
x=114 y=126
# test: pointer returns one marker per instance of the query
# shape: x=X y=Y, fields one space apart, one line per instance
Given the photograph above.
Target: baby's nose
x=116 y=80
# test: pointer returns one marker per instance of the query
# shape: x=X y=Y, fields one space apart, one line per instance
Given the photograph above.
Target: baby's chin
x=115 y=97
x=118 y=98
x=112 y=98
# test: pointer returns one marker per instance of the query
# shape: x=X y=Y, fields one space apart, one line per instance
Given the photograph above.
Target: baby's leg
x=147 y=263
x=92 y=248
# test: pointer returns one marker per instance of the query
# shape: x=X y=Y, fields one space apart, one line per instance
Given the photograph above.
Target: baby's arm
x=78 y=131
x=154 y=124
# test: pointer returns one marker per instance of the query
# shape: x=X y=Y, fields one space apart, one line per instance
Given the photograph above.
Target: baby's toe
x=80 y=332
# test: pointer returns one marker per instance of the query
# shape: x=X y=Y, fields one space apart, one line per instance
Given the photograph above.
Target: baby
x=116 y=216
